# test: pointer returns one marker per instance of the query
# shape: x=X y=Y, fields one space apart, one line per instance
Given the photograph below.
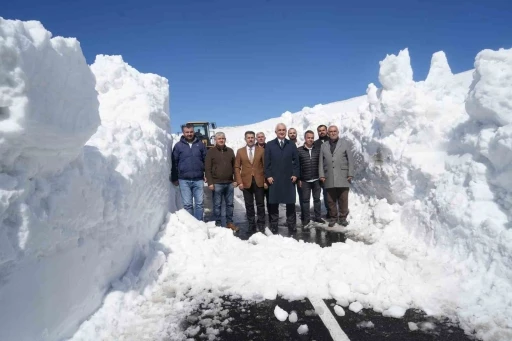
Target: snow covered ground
x=430 y=205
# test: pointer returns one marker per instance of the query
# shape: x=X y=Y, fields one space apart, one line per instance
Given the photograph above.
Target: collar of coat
x=306 y=148
x=334 y=141
x=224 y=147
x=184 y=140
x=285 y=140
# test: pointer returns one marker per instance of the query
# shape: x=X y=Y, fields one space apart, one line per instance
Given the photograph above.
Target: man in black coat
x=281 y=172
x=309 y=181
x=322 y=138
x=260 y=143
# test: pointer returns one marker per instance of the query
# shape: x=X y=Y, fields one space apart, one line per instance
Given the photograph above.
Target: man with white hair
x=281 y=172
x=336 y=169
x=220 y=176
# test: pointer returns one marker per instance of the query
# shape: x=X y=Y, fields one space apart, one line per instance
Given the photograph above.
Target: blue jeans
x=223 y=192
x=192 y=197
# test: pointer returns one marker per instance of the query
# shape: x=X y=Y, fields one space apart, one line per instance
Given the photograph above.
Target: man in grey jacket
x=336 y=169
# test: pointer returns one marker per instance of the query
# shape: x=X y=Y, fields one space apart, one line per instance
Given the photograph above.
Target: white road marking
x=328 y=319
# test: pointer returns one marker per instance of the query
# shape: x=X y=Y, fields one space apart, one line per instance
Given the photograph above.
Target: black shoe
x=319 y=220
x=343 y=222
x=292 y=229
x=273 y=230
x=331 y=223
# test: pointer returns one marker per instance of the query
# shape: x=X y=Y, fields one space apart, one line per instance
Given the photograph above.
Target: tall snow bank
x=75 y=209
x=434 y=163
x=45 y=117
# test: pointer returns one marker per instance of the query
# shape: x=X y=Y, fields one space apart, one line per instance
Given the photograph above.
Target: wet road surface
x=230 y=318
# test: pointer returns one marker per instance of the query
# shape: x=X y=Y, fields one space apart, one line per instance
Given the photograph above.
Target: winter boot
x=343 y=222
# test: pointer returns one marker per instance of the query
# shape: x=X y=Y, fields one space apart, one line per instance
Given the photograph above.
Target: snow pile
x=78 y=199
x=191 y=261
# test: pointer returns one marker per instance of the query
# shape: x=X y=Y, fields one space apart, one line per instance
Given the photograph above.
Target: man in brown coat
x=249 y=174
x=220 y=176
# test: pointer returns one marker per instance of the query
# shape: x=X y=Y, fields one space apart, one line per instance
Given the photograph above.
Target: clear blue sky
x=242 y=61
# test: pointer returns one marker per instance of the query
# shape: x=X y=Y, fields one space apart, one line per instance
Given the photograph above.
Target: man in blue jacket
x=281 y=171
x=188 y=156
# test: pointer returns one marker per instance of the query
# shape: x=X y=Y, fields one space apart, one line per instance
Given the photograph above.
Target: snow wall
x=83 y=178
x=433 y=183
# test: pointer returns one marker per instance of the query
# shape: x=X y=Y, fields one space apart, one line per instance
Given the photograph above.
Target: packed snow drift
x=84 y=178
x=430 y=222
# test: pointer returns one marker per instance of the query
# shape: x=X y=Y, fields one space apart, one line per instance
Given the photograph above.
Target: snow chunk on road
x=412 y=326
x=293 y=317
x=303 y=329
x=365 y=324
x=280 y=314
x=355 y=307
x=339 y=310
x=394 y=311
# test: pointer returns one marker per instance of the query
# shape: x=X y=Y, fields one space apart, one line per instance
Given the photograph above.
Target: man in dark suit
x=281 y=172
x=260 y=143
x=322 y=138
x=249 y=174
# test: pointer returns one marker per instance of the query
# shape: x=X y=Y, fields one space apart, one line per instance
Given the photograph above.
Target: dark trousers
x=267 y=195
x=306 y=189
x=223 y=192
x=299 y=193
x=324 y=192
x=339 y=195
x=254 y=193
x=291 y=218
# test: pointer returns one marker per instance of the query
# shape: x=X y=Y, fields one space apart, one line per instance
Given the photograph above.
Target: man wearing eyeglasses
x=336 y=169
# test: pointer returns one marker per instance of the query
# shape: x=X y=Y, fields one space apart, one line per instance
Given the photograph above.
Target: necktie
x=251 y=157
x=281 y=143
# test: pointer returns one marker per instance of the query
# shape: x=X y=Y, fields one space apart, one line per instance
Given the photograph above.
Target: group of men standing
x=273 y=172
